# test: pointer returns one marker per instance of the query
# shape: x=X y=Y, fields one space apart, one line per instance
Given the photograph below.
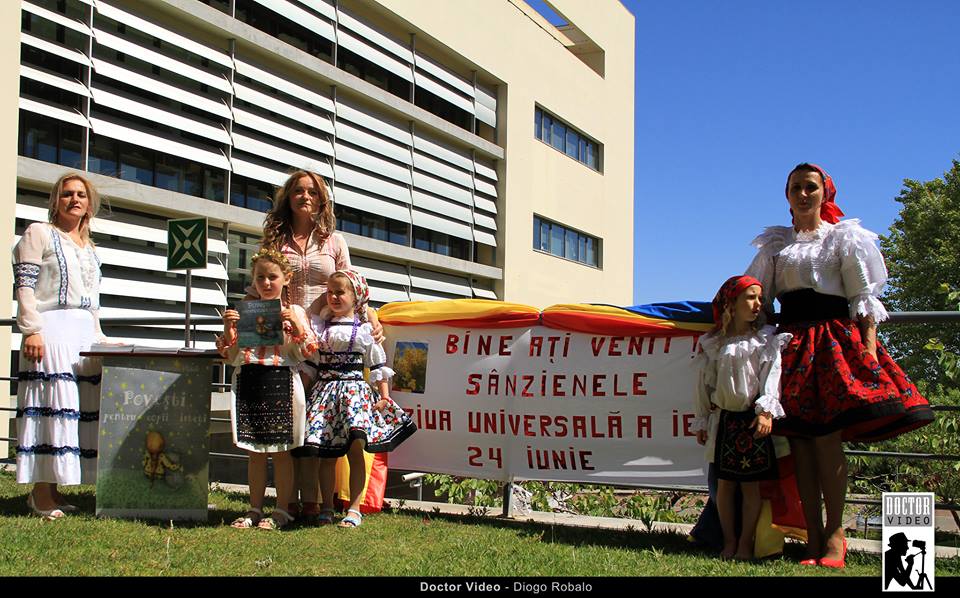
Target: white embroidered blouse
x=738 y=373
x=839 y=259
x=333 y=336
x=51 y=271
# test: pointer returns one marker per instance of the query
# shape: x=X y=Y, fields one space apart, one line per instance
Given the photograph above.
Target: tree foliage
x=922 y=253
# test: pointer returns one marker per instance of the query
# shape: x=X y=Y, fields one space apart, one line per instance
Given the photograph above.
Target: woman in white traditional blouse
x=838 y=382
x=57 y=285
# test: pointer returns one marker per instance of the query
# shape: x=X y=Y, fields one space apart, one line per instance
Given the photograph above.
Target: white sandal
x=47 y=515
x=351 y=520
x=246 y=521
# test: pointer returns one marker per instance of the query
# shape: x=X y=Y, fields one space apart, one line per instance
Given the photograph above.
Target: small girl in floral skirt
x=738 y=396
x=345 y=416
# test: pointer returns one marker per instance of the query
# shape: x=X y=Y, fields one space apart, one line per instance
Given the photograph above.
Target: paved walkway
x=614 y=523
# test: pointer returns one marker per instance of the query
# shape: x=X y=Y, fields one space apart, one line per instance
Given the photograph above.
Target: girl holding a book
x=267 y=407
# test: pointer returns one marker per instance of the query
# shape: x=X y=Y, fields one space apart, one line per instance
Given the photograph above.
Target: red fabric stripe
x=603 y=324
x=498 y=321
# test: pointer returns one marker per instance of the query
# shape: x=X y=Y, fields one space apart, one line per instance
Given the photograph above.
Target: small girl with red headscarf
x=738 y=396
x=345 y=416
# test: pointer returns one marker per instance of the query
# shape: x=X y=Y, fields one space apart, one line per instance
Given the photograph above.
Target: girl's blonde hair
x=273 y=256
x=726 y=320
x=93 y=203
x=279 y=218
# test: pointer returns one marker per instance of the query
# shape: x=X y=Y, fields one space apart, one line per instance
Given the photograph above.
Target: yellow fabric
x=341 y=484
x=425 y=312
x=609 y=310
x=769 y=539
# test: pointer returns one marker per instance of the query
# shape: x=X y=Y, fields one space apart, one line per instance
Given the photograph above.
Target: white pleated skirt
x=58 y=404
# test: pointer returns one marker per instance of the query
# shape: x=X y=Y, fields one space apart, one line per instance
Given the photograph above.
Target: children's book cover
x=153 y=451
x=260 y=323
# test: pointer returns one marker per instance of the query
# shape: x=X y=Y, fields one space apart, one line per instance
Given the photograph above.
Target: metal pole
x=186 y=328
x=507 y=499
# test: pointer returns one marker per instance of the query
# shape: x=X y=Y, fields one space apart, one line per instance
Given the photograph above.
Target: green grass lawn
x=404 y=543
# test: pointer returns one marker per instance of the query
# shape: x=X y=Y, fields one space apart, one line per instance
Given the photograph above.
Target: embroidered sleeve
x=25 y=274
x=770 y=369
x=27 y=258
x=862 y=268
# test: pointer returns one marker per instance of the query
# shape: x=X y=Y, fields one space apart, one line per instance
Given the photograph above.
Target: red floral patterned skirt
x=831 y=383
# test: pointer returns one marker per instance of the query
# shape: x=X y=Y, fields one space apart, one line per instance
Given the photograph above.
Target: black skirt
x=264 y=403
x=738 y=456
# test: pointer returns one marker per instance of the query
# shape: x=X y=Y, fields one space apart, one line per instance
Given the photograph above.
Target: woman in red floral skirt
x=838 y=383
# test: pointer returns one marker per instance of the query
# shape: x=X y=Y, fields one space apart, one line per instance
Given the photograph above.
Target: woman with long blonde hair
x=57 y=285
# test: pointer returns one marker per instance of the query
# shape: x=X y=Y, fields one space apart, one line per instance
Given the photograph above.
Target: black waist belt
x=807 y=305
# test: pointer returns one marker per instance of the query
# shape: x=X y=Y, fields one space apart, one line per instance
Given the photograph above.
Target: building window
x=554 y=132
x=251 y=194
x=372 y=73
x=365 y=224
x=157 y=169
x=438 y=106
x=50 y=140
x=296 y=35
x=442 y=243
x=561 y=241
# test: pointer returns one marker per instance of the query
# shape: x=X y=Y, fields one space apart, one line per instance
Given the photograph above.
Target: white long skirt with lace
x=58 y=404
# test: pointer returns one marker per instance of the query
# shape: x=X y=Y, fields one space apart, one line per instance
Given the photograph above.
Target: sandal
x=279 y=519
x=250 y=519
x=351 y=520
x=48 y=514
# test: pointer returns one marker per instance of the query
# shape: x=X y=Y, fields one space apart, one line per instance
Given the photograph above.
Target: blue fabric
x=700 y=312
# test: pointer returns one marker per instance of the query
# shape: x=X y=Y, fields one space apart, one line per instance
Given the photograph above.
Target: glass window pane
x=537 y=123
x=559 y=135
x=398 y=232
x=103 y=155
x=573 y=144
x=571 y=245
x=536 y=233
x=169 y=174
x=591 y=257
x=237 y=197
x=583 y=150
x=70 y=147
x=374 y=227
x=421 y=238
x=214 y=184
x=544 y=236
x=556 y=240
x=258 y=196
x=547 y=127
x=592 y=157
x=583 y=249
x=136 y=164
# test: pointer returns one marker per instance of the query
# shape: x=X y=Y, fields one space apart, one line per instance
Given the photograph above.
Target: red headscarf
x=728 y=293
x=829 y=210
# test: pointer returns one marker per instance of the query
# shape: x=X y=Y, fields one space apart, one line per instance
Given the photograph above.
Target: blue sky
x=731 y=95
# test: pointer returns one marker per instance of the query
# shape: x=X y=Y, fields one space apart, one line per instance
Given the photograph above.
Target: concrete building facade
x=472 y=148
